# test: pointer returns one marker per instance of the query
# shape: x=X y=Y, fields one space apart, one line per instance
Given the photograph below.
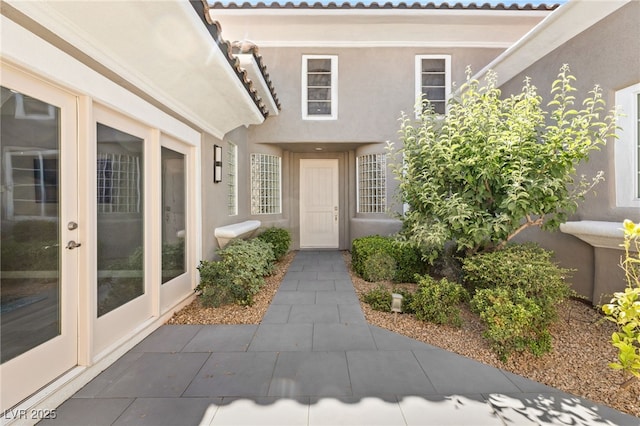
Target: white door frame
x=319 y=203
x=42 y=364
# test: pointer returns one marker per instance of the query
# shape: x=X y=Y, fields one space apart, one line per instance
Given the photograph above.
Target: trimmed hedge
x=238 y=276
x=517 y=291
x=279 y=238
x=407 y=258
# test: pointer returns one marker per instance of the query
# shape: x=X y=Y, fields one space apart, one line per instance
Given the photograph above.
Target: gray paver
x=234 y=374
x=310 y=374
x=387 y=373
x=342 y=337
x=294 y=298
x=157 y=375
x=88 y=412
x=342 y=297
x=170 y=338
x=276 y=314
x=222 y=338
x=317 y=285
x=454 y=374
x=314 y=314
x=167 y=411
x=282 y=337
x=314 y=360
x=351 y=314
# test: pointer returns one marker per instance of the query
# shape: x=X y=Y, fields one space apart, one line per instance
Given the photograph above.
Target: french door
x=40 y=234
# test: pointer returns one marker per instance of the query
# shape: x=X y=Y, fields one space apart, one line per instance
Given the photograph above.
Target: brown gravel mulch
x=578 y=363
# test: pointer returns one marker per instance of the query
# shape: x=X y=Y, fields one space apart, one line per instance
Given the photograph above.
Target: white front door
x=319 y=209
x=39 y=277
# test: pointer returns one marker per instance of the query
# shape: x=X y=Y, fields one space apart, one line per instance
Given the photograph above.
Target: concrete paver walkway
x=313 y=360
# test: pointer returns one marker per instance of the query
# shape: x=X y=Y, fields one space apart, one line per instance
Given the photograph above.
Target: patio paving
x=314 y=360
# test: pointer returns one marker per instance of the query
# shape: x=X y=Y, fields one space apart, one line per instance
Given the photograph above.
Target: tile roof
x=202 y=8
x=386 y=5
x=251 y=48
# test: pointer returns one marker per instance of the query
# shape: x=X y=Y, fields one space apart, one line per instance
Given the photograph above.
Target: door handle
x=72 y=244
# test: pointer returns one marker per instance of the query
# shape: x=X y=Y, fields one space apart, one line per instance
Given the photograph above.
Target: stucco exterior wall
x=215 y=212
x=375 y=85
x=606 y=54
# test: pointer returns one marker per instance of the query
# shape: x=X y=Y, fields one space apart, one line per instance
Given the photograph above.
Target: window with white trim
x=433 y=80
x=372 y=183
x=319 y=87
x=627 y=148
x=265 y=184
x=232 y=176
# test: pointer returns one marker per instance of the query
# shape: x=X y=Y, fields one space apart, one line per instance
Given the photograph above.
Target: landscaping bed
x=578 y=363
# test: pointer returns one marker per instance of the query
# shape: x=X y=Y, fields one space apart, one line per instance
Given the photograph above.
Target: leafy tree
x=494 y=166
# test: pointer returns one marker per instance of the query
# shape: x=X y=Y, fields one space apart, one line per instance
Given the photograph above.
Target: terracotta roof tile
x=246 y=46
x=382 y=5
x=214 y=28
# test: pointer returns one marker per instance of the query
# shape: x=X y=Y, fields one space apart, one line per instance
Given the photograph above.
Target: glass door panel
x=120 y=199
x=30 y=281
x=174 y=210
x=38 y=198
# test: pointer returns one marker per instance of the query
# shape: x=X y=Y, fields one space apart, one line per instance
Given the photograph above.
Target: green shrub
x=219 y=284
x=379 y=299
x=29 y=256
x=624 y=308
x=280 y=240
x=517 y=291
x=515 y=323
x=496 y=164
x=524 y=266
x=251 y=257
x=379 y=266
x=407 y=300
x=238 y=276
x=439 y=301
x=407 y=258
x=30 y=245
x=35 y=230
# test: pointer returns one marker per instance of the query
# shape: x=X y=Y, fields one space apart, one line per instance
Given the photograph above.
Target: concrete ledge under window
x=597 y=233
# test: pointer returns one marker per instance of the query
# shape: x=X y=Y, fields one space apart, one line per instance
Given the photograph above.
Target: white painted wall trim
x=626 y=148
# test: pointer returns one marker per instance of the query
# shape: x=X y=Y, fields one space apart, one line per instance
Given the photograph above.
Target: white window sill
x=597 y=233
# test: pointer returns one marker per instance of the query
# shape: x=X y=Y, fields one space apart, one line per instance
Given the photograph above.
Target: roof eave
x=569 y=20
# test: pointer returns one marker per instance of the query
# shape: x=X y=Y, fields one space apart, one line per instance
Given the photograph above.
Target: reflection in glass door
x=30 y=282
x=120 y=218
x=173 y=223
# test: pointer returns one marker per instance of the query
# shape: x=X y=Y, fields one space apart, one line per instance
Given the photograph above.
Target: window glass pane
x=319 y=65
x=265 y=184
x=30 y=276
x=319 y=87
x=319 y=80
x=174 y=208
x=433 y=80
x=372 y=183
x=319 y=94
x=434 y=93
x=120 y=218
x=319 y=108
x=232 y=200
x=433 y=65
